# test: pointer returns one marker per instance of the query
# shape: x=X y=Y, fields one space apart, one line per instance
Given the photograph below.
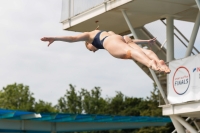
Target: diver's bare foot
x=153 y=65
x=163 y=67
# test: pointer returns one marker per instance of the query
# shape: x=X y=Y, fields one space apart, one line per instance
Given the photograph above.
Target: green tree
x=153 y=110
x=71 y=102
x=161 y=129
x=133 y=106
x=153 y=103
x=17 y=97
x=92 y=101
x=44 y=107
x=115 y=104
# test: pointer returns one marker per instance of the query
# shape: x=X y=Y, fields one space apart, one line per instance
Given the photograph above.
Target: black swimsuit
x=97 y=42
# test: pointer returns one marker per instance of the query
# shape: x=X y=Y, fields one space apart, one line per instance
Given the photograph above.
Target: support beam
x=170 y=56
x=185 y=124
x=180 y=38
x=159 y=86
x=195 y=123
x=198 y=3
x=193 y=35
x=177 y=125
x=152 y=72
x=129 y=24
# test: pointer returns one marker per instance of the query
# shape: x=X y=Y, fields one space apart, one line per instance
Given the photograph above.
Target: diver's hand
x=48 y=39
x=152 y=41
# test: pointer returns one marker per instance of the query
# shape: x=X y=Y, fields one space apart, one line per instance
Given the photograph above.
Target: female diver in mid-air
x=118 y=46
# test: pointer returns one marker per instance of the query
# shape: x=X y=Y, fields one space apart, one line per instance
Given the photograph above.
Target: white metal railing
x=72 y=8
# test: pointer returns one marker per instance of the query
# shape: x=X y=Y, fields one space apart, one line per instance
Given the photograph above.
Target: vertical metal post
x=69 y=8
x=22 y=126
x=193 y=35
x=53 y=127
x=129 y=24
x=170 y=57
x=170 y=39
x=72 y=8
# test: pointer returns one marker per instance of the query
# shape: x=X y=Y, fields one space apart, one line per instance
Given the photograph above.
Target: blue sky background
x=48 y=71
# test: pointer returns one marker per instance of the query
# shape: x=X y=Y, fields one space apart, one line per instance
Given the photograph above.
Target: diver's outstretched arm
x=81 y=37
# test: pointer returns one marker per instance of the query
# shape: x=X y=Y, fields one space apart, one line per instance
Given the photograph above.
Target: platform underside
x=140 y=12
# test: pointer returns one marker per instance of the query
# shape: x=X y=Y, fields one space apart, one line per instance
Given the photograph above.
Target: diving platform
x=81 y=15
x=189 y=109
x=179 y=89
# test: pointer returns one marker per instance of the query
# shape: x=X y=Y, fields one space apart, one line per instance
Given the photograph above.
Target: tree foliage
x=152 y=104
x=92 y=102
x=44 y=107
x=70 y=102
x=18 y=97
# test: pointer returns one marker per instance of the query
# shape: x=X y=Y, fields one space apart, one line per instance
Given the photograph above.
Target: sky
x=48 y=71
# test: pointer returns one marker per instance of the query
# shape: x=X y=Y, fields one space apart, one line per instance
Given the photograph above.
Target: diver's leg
x=118 y=48
x=161 y=64
x=138 y=55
